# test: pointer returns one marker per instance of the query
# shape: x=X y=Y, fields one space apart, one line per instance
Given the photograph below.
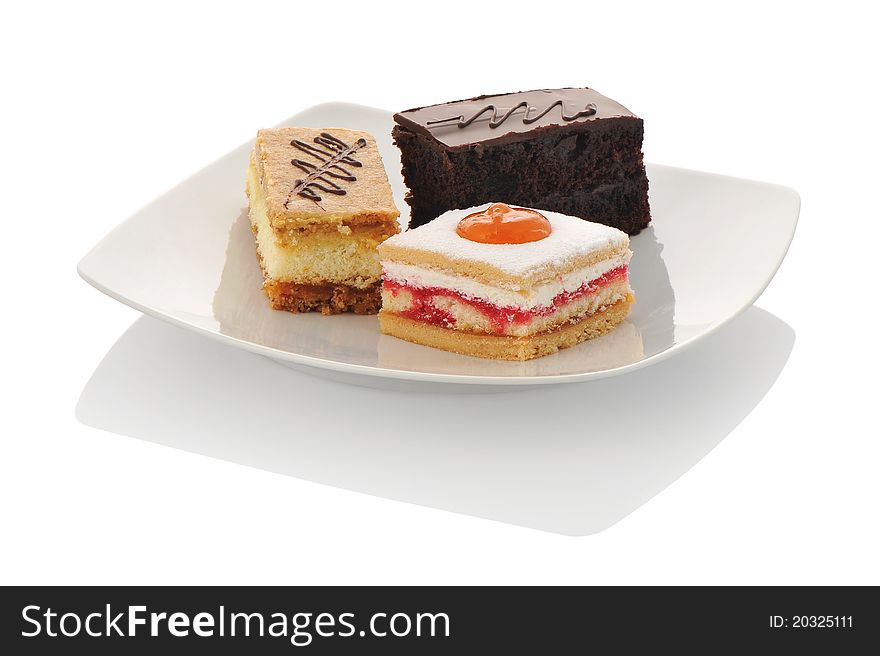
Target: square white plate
x=188 y=258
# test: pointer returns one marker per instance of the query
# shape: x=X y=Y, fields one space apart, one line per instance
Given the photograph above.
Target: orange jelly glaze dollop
x=502 y=224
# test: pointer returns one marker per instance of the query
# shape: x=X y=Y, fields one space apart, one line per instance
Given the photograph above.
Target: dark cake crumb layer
x=591 y=175
x=591 y=167
x=327 y=299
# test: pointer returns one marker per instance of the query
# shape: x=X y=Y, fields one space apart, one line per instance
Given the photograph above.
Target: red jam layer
x=423 y=308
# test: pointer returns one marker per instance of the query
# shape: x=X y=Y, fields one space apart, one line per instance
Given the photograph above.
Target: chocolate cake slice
x=571 y=151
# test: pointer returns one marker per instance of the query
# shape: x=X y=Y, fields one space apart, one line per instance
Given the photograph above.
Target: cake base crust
x=505 y=347
x=327 y=299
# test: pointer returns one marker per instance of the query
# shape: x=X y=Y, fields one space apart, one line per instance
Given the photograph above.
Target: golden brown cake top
x=322 y=176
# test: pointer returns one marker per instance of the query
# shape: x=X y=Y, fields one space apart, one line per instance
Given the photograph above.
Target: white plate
x=188 y=258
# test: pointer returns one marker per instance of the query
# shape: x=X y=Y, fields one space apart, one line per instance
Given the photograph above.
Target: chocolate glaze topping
x=527 y=118
x=477 y=120
x=334 y=154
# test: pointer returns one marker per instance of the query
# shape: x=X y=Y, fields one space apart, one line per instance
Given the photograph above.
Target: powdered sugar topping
x=570 y=237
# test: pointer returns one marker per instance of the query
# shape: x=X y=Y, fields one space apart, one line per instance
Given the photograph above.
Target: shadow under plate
x=572 y=459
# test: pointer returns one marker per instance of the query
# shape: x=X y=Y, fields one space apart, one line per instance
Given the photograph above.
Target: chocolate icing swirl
x=528 y=118
x=461 y=124
x=332 y=156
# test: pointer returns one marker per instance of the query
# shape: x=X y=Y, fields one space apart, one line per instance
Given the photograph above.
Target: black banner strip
x=435 y=620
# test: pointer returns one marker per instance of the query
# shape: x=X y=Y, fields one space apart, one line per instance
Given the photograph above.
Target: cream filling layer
x=525 y=299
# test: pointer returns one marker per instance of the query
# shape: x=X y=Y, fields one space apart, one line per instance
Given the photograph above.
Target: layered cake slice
x=319 y=204
x=504 y=282
x=572 y=151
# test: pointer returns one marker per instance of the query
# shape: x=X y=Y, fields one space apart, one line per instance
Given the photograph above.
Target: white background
x=107 y=106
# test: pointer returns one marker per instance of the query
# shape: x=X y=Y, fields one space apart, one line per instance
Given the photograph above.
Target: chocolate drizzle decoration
x=333 y=155
x=500 y=114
